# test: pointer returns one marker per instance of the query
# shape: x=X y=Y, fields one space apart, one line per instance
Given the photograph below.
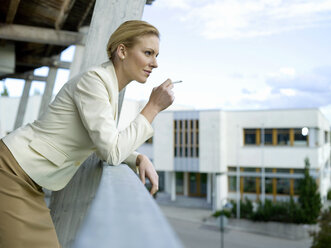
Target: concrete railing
x=124 y=214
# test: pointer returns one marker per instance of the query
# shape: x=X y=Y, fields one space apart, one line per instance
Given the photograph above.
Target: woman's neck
x=122 y=80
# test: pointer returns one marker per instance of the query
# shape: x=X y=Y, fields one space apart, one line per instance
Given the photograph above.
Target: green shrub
x=329 y=195
x=224 y=212
x=322 y=238
x=246 y=208
x=309 y=198
x=289 y=212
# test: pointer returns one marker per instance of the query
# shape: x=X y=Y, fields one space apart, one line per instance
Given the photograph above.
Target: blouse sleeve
x=96 y=113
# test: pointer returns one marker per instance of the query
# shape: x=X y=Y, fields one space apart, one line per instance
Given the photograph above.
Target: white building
x=256 y=154
x=218 y=155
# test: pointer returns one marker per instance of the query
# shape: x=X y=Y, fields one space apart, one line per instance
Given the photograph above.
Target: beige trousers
x=25 y=219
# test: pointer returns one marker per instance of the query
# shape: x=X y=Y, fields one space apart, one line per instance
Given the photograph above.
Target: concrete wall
x=163 y=142
x=209 y=141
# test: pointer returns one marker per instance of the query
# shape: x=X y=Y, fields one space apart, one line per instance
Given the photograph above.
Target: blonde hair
x=128 y=34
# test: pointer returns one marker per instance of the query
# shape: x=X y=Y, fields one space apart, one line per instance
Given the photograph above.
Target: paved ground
x=190 y=227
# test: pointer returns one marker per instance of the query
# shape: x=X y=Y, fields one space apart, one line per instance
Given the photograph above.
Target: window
x=250 y=184
x=283 y=186
x=179 y=182
x=283 y=136
x=186 y=138
x=161 y=180
x=268 y=136
x=232 y=183
x=299 y=139
x=250 y=136
x=268 y=185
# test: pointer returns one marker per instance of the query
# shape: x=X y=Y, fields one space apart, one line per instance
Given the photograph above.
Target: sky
x=237 y=54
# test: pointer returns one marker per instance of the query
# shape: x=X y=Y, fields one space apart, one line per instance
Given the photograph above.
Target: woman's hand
x=146 y=169
x=160 y=98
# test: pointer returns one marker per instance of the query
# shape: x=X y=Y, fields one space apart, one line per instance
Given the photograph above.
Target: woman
x=81 y=120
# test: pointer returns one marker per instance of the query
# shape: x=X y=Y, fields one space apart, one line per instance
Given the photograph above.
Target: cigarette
x=177 y=82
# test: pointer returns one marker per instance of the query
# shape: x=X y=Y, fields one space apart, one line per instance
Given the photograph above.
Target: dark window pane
x=232 y=183
x=283 y=170
x=299 y=139
x=161 y=180
x=249 y=184
x=250 y=136
x=193 y=183
x=179 y=182
x=268 y=136
x=268 y=185
x=283 y=186
x=203 y=183
x=283 y=136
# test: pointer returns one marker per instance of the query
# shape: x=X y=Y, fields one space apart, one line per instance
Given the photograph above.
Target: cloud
x=293 y=91
x=251 y=18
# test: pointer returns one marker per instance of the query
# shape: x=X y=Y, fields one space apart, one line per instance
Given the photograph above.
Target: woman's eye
x=148 y=53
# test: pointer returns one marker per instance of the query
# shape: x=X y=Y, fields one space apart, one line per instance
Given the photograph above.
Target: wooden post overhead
x=13 y=6
x=39 y=35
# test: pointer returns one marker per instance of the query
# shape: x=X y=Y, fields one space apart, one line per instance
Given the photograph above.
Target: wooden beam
x=13 y=6
x=40 y=35
x=42 y=61
x=65 y=10
x=87 y=11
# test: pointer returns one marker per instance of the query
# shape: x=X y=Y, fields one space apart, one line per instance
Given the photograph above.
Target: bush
x=309 y=198
x=224 y=212
x=289 y=212
x=322 y=238
x=329 y=195
x=246 y=208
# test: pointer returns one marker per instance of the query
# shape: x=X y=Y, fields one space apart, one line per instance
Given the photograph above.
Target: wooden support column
x=23 y=103
x=258 y=185
x=107 y=16
x=274 y=137
x=291 y=137
x=291 y=183
x=48 y=92
x=242 y=185
x=274 y=185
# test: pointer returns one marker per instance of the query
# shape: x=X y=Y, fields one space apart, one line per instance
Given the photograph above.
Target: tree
x=322 y=238
x=309 y=198
x=5 y=91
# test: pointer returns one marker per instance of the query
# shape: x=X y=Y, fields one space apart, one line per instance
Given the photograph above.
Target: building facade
x=223 y=155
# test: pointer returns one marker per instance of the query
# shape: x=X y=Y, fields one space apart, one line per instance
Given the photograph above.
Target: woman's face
x=140 y=59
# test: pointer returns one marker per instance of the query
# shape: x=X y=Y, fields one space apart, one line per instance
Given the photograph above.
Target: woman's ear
x=121 y=51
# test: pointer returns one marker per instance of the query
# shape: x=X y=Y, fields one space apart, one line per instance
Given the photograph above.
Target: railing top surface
x=124 y=214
